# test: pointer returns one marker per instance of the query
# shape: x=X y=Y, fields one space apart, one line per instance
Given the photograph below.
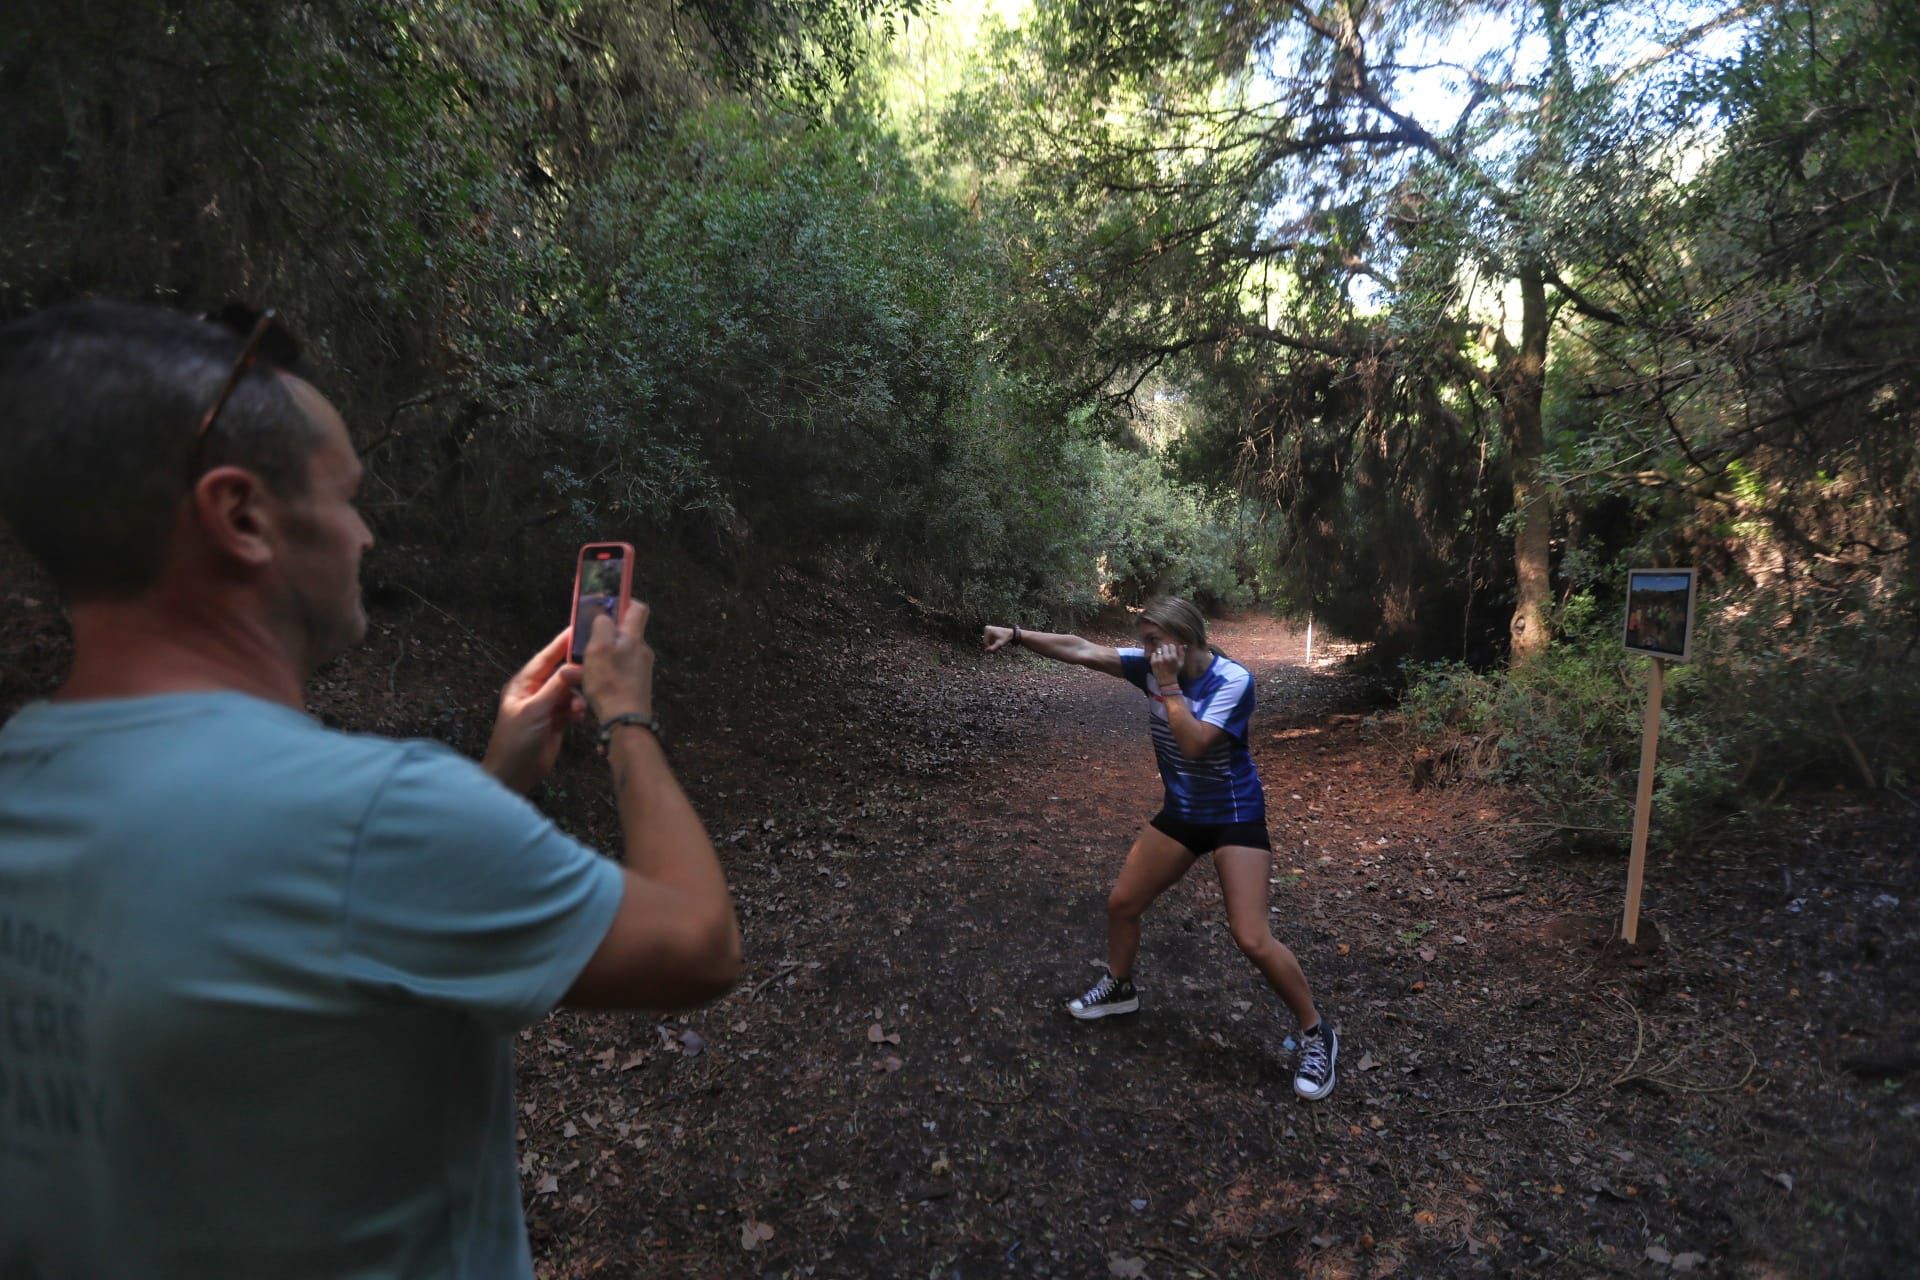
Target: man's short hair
x=99 y=404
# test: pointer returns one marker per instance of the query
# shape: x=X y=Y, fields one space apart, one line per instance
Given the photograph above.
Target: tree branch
x=1583 y=304
x=1687 y=37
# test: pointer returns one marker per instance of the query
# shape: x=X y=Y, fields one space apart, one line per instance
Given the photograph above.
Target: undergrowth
x=1774 y=699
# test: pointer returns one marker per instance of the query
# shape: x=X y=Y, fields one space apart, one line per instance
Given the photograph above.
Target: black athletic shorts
x=1204 y=837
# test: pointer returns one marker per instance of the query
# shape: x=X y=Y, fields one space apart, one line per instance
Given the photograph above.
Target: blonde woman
x=1201 y=703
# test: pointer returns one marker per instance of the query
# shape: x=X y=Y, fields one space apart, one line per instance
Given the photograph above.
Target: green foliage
x=569 y=274
x=1813 y=699
x=1752 y=390
x=1696 y=222
x=803 y=49
x=788 y=311
x=1764 y=702
x=1225 y=196
x=1564 y=733
x=783 y=330
x=1154 y=539
x=1003 y=533
x=575 y=269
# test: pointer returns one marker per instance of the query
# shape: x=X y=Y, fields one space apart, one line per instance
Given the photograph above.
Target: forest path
x=921 y=842
x=923 y=837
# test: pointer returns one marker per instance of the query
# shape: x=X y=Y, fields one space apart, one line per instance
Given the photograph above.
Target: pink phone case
x=597 y=553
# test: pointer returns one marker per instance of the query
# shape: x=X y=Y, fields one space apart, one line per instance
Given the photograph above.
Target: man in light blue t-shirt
x=257 y=978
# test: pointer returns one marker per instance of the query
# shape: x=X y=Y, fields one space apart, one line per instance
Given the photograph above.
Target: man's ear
x=233 y=512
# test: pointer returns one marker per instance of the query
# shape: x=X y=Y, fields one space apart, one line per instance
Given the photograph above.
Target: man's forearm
x=663 y=836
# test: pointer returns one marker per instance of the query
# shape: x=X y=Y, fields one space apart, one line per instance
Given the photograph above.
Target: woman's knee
x=1254 y=941
x=1125 y=906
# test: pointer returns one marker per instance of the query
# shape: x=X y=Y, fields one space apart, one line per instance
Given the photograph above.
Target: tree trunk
x=1524 y=383
x=1523 y=375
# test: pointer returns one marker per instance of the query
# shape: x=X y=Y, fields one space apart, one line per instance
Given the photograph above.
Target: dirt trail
x=933 y=867
x=955 y=907
x=921 y=840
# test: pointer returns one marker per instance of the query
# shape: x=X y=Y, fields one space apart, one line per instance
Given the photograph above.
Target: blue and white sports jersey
x=1222 y=785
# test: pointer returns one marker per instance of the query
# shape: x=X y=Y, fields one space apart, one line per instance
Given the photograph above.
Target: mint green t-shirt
x=257 y=984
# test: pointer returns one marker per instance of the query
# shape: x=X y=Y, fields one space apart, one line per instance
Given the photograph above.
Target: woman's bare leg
x=1153 y=865
x=1243 y=882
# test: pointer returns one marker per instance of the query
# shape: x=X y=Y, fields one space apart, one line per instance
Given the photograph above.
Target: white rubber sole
x=1333 y=1072
x=1086 y=1014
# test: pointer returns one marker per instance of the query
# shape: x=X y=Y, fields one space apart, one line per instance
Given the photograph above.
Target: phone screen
x=602 y=576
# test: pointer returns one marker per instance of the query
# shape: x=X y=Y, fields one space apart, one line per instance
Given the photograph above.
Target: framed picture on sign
x=1660 y=613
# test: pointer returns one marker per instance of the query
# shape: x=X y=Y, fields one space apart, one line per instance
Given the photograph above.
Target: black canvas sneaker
x=1313 y=1077
x=1104 y=998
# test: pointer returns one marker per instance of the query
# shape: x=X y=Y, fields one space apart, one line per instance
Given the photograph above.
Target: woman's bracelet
x=1016 y=635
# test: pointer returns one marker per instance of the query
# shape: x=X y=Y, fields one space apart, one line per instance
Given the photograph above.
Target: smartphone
x=602 y=583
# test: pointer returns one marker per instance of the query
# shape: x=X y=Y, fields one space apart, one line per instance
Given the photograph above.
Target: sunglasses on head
x=267 y=339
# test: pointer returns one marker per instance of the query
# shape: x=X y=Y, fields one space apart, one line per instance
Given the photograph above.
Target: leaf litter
x=908 y=856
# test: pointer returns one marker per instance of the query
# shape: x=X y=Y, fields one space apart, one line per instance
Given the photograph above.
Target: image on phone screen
x=599 y=593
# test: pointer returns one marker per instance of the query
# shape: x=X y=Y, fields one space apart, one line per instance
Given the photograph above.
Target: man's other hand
x=617 y=671
x=535 y=709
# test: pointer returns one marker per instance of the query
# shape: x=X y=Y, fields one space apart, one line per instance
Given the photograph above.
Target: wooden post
x=1643 y=801
x=1309 y=639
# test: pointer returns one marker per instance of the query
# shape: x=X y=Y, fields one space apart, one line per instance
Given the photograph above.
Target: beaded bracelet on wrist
x=651 y=723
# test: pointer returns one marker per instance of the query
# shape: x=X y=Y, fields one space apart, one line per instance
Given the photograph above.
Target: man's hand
x=617 y=671
x=535 y=709
x=1166 y=662
x=674 y=943
x=994 y=639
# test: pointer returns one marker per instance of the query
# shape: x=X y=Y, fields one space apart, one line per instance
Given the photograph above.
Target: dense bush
x=563 y=297
x=1813 y=697
x=1564 y=733
x=1766 y=701
x=784 y=337
x=1156 y=538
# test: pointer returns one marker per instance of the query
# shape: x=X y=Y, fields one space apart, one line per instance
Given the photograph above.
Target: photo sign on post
x=1659 y=624
x=1660 y=613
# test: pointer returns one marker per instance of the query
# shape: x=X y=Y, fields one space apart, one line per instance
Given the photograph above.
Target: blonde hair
x=1180 y=619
